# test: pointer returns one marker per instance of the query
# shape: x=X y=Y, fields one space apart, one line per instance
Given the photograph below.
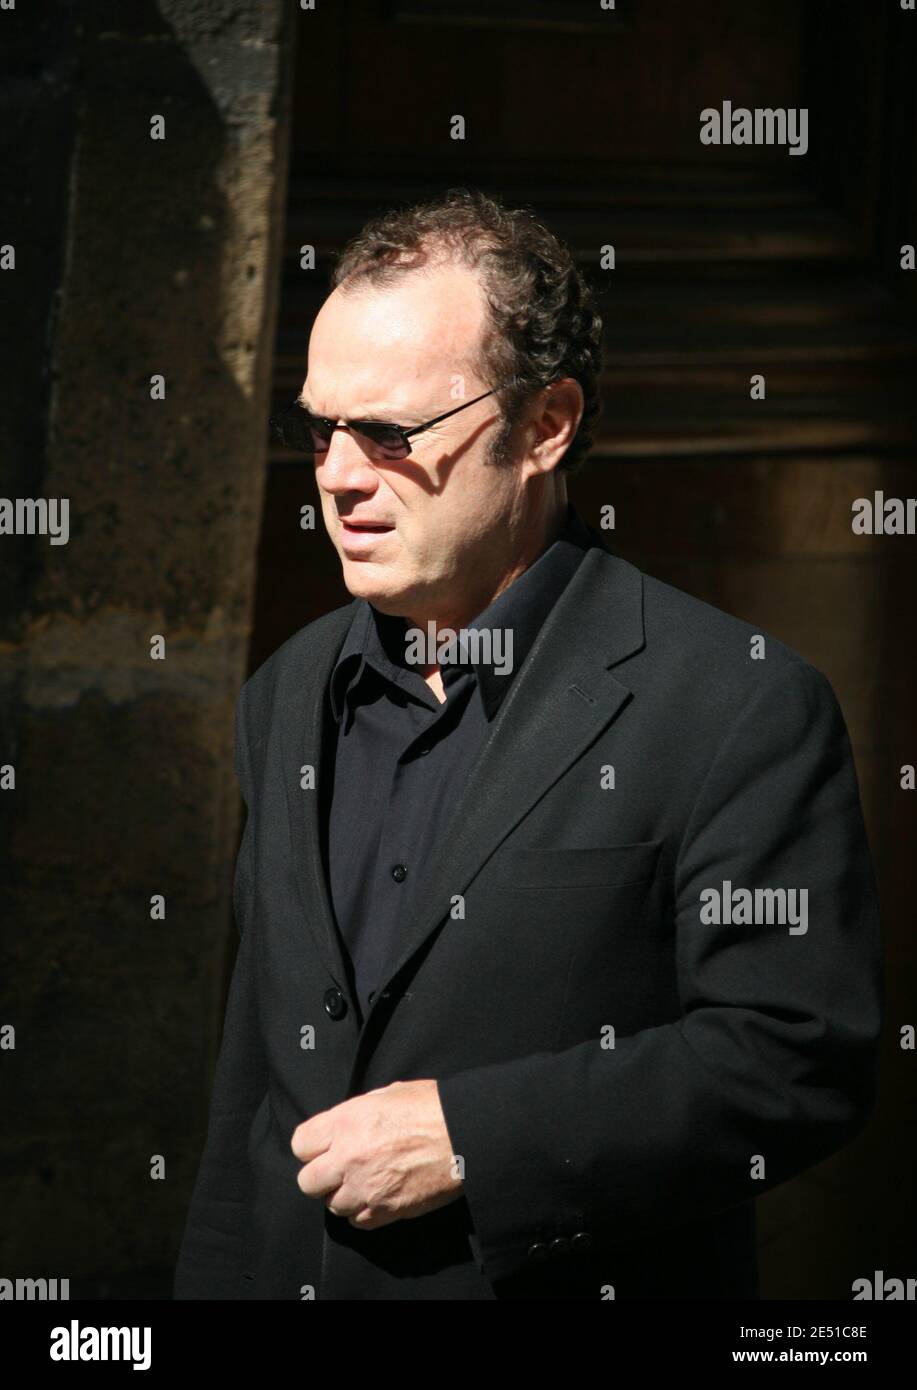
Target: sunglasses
x=299 y=429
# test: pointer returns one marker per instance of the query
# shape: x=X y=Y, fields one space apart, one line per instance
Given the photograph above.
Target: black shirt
x=401 y=752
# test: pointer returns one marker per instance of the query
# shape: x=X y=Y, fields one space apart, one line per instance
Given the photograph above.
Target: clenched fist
x=380 y=1157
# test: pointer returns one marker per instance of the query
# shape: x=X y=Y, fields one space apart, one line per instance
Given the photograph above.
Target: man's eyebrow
x=385 y=417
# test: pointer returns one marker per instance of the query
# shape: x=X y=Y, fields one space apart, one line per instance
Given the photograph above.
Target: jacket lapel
x=558 y=704
x=307 y=738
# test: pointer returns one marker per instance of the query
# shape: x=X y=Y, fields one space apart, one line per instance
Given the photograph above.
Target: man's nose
x=344 y=466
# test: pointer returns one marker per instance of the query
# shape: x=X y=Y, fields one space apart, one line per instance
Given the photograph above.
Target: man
x=559 y=937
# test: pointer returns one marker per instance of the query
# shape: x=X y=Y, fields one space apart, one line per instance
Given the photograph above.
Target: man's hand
x=380 y=1157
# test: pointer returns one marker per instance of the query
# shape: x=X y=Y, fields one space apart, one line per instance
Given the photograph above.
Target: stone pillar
x=141 y=391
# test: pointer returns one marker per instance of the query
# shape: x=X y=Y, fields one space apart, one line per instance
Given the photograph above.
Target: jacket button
x=335 y=1004
x=581 y=1242
x=560 y=1246
x=538 y=1251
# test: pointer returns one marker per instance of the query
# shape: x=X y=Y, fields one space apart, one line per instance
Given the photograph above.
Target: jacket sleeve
x=775 y=1053
x=211 y=1259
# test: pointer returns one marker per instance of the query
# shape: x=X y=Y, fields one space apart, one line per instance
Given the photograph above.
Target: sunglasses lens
x=319 y=436
x=299 y=430
x=385 y=442
x=309 y=434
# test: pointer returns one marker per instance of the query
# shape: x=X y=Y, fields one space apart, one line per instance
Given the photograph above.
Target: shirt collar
x=521 y=609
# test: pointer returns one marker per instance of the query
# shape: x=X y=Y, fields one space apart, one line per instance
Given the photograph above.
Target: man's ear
x=557 y=411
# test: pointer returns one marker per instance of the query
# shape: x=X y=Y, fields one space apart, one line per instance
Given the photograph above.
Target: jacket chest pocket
x=607 y=866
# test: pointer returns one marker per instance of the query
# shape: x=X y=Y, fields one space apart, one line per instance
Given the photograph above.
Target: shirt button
x=399 y=873
x=335 y=1004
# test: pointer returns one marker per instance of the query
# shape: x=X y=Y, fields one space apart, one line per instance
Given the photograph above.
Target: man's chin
x=363 y=579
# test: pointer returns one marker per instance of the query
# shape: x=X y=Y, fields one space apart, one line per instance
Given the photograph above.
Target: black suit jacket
x=619 y=1078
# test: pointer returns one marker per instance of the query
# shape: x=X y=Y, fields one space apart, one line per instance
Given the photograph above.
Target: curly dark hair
x=543 y=322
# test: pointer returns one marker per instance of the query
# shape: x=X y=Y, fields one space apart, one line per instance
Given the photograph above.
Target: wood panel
x=729 y=262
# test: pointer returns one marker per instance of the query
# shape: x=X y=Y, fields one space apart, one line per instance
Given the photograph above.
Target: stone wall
x=136 y=258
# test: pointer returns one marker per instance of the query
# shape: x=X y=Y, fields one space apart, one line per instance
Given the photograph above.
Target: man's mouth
x=358 y=528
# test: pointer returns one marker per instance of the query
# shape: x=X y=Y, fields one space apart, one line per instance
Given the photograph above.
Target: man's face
x=404 y=355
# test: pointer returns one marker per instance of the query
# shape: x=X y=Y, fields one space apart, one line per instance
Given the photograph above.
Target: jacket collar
x=377 y=640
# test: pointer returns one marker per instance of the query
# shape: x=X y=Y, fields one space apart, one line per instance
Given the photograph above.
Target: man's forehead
x=367 y=380
x=373 y=349
x=435 y=313
x=359 y=395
